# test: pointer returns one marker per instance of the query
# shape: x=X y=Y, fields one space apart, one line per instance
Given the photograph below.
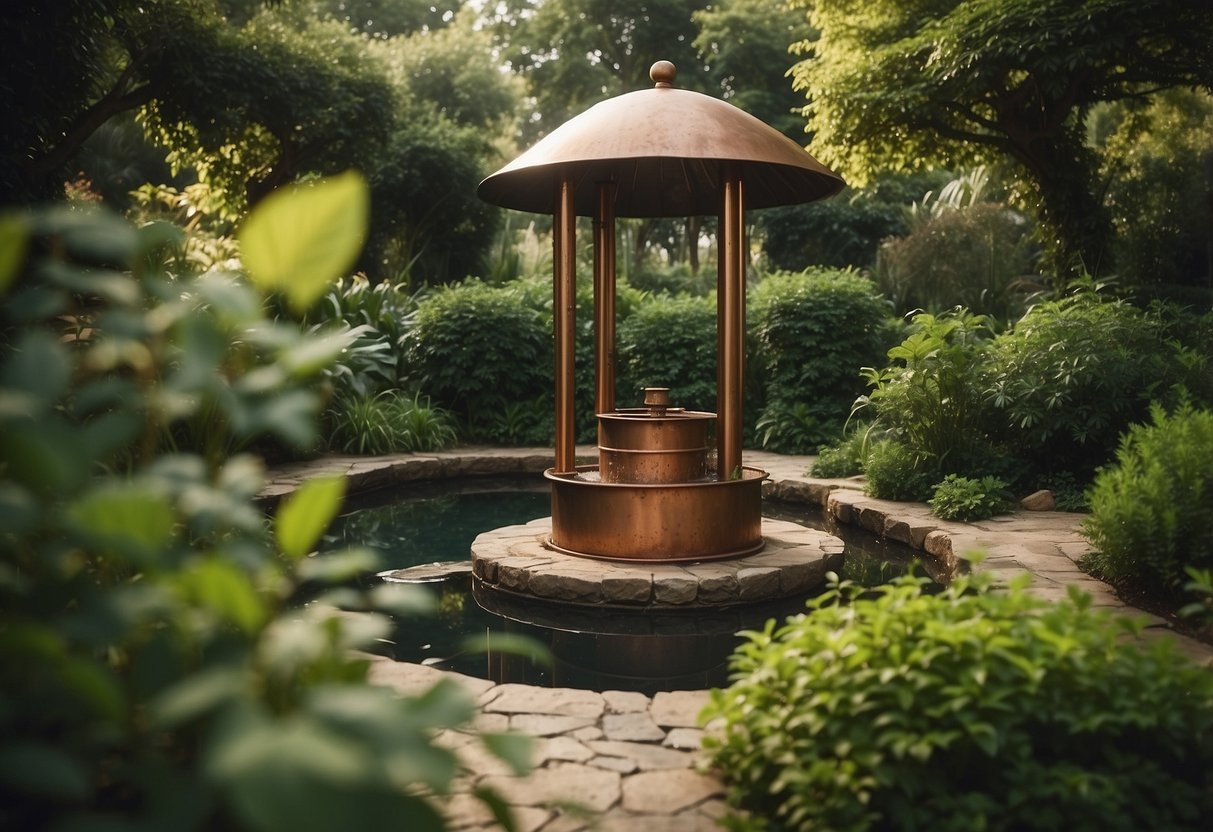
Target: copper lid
x=665 y=150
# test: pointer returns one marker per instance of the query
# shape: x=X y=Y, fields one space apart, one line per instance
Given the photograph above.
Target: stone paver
x=619 y=761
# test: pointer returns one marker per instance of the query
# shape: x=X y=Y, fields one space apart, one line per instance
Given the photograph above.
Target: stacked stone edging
x=794 y=561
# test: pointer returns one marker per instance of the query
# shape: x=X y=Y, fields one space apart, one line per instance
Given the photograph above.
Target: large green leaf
x=227 y=591
x=302 y=238
x=131 y=520
x=305 y=515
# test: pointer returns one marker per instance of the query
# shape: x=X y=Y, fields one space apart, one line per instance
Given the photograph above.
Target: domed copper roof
x=665 y=149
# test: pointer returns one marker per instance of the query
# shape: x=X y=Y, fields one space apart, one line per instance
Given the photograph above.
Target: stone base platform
x=794 y=561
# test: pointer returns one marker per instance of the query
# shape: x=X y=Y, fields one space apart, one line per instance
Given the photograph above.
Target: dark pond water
x=590 y=649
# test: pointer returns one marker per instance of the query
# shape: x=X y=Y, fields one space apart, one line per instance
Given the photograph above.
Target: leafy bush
x=960 y=251
x=672 y=279
x=893 y=471
x=973 y=709
x=523 y=423
x=158 y=665
x=1074 y=374
x=670 y=342
x=844 y=458
x=964 y=498
x=813 y=331
x=474 y=348
x=842 y=232
x=1152 y=510
x=388 y=423
x=931 y=399
x=793 y=428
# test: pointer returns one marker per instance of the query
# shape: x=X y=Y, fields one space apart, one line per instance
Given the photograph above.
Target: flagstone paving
x=617 y=761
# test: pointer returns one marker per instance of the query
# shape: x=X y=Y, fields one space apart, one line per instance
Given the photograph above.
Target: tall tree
x=897 y=84
x=575 y=53
x=745 y=46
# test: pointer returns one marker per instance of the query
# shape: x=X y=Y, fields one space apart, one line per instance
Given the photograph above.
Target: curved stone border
x=794 y=561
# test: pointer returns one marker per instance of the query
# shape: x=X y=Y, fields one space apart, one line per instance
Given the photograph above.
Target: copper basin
x=638 y=447
x=686 y=521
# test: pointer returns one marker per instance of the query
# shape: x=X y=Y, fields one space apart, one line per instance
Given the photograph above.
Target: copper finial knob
x=657 y=399
x=663 y=73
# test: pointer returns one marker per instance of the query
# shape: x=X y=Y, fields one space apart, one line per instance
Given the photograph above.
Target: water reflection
x=591 y=648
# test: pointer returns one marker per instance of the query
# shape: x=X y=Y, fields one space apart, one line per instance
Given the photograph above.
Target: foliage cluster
x=965 y=498
x=159 y=667
x=386 y=423
x=845 y=457
x=894 y=471
x=895 y=708
x=670 y=342
x=1039 y=405
x=1074 y=373
x=929 y=401
x=475 y=348
x=1156 y=163
x=811 y=330
x=901 y=85
x=1152 y=509
x=978 y=256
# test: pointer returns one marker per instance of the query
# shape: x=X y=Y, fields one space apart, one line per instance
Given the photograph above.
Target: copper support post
x=730 y=323
x=564 y=313
x=604 y=299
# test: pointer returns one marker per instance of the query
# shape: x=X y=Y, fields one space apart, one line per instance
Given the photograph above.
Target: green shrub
x=669 y=342
x=844 y=458
x=168 y=659
x=974 y=255
x=1152 y=510
x=931 y=399
x=964 y=498
x=474 y=348
x=813 y=331
x=380 y=315
x=845 y=231
x=672 y=279
x=1074 y=374
x=387 y=423
x=893 y=471
x=966 y=709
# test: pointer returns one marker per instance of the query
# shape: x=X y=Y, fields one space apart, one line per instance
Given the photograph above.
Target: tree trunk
x=693 y=225
x=1076 y=227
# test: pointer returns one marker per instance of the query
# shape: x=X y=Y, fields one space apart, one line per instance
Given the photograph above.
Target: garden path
x=629 y=760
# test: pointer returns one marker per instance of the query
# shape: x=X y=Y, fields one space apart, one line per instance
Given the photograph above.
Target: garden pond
x=475 y=630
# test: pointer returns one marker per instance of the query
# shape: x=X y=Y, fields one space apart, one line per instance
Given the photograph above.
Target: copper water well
x=656 y=494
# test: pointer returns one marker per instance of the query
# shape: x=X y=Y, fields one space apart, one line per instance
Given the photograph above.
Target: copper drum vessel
x=634 y=445
x=669 y=522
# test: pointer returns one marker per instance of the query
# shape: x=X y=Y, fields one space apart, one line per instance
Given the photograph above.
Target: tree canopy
x=898 y=84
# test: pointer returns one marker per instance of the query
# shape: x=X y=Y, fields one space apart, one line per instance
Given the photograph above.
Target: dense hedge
x=812 y=332
x=966 y=709
x=476 y=349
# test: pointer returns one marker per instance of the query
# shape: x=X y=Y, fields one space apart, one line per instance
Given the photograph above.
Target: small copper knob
x=657 y=399
x=663 y=73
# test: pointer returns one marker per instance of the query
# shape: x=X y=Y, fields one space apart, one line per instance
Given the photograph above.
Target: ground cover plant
x=159 y=668
x=965 y=498
x=898 y=708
